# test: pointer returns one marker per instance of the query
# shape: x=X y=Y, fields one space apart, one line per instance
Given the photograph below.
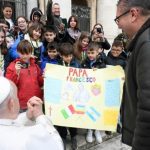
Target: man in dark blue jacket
x=133 y=17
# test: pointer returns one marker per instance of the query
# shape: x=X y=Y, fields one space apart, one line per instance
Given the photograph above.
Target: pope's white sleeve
x=45 y=121
x=23 y=119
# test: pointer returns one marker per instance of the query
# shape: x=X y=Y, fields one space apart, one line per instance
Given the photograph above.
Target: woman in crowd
x=3 y=50
x=22 y=24
x=34 y=36
x=80 y=47
x=72 y=32
x=97 y=35
x=7 y=12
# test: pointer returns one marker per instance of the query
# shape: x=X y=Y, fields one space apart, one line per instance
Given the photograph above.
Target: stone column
x=106 y=12
x=31 y=4
x=92 y=5
x=42 y=5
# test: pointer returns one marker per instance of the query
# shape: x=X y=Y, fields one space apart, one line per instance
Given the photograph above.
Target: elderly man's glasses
x=117 y=18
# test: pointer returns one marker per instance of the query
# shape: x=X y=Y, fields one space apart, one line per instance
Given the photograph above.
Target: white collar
x=8 y=122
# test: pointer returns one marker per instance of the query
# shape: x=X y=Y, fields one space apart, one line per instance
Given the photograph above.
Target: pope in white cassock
x=15 y=132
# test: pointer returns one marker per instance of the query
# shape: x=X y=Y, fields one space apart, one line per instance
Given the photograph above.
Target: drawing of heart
x=96 y=90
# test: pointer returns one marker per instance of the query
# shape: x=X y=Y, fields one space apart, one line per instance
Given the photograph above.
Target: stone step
x=81 y=141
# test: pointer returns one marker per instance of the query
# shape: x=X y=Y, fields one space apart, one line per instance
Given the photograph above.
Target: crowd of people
x=27 y=45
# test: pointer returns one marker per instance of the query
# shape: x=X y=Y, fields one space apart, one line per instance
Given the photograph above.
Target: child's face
x=2 y=37
x=36 y=34
x=116 y=51
x=67 y=59
x=7 y=11
x=5 y=27
x=22 y=24
x=85 y=42
x=73 y=23
x=24 y=57
x=52 y=53
x=92 y=55
x=49 y=36
x=36 y=18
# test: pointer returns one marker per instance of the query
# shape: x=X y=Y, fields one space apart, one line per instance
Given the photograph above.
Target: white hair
x=12 y=95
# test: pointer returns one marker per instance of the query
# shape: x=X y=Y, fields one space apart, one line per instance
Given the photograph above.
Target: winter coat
x=69 y=36
x=28 y=82
x=136 y=97
x=120 y=60
x=13 y=50
x=104 y=44
x=48 y=60
x=74 y=63
x=98 y=63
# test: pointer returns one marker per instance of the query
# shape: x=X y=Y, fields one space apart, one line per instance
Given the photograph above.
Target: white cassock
x=40 y=136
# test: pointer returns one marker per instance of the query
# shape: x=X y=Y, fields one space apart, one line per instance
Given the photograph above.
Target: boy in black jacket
x=68 y=60
x=93 y=60
x=117 y=55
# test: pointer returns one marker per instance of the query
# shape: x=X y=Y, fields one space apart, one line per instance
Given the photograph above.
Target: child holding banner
x=117 y=55
x=92 y=61
x=67 y=59
x=50 y=55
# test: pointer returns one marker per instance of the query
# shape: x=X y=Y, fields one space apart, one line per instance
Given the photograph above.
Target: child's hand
x=94 y=69
x=43 y=74
x=18 y=67
x=61 y=27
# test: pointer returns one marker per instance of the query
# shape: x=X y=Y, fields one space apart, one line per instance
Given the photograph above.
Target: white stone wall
x=106 y=12
x=30 y=4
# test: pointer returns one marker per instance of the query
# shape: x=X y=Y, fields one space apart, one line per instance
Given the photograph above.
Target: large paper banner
x=83 y=98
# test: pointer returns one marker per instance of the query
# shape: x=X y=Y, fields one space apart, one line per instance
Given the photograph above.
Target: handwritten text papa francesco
x=79 y=75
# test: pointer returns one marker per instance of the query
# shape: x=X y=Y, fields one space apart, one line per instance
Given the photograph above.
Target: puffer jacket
x=98 y=63
x=28 y=82
x=120 y=60
x=136 y=97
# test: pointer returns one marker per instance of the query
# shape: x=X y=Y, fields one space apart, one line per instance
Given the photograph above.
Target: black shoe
x=119 y=129
x=74 y=143
x=108 y=132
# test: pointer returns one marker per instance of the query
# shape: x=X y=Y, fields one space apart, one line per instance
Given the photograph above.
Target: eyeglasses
x=117 y=18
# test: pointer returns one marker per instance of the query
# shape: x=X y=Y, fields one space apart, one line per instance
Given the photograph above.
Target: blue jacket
x=48 y=60
x=13 y=50
x=73 y=63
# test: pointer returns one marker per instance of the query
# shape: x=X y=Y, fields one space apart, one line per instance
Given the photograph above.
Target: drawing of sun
x=96 y=89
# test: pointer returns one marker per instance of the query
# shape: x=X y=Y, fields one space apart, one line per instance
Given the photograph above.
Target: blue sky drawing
x=52 y=90
x=112 y=93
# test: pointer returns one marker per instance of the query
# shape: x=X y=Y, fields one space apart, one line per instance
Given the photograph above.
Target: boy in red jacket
x=26 y=74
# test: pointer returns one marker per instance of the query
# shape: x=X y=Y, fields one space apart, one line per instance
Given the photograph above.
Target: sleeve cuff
x=46 y=122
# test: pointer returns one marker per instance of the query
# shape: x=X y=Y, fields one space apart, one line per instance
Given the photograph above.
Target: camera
x=99 y=30
x=24 y=65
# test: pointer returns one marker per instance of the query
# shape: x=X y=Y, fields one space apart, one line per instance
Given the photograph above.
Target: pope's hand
x=34 y=107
